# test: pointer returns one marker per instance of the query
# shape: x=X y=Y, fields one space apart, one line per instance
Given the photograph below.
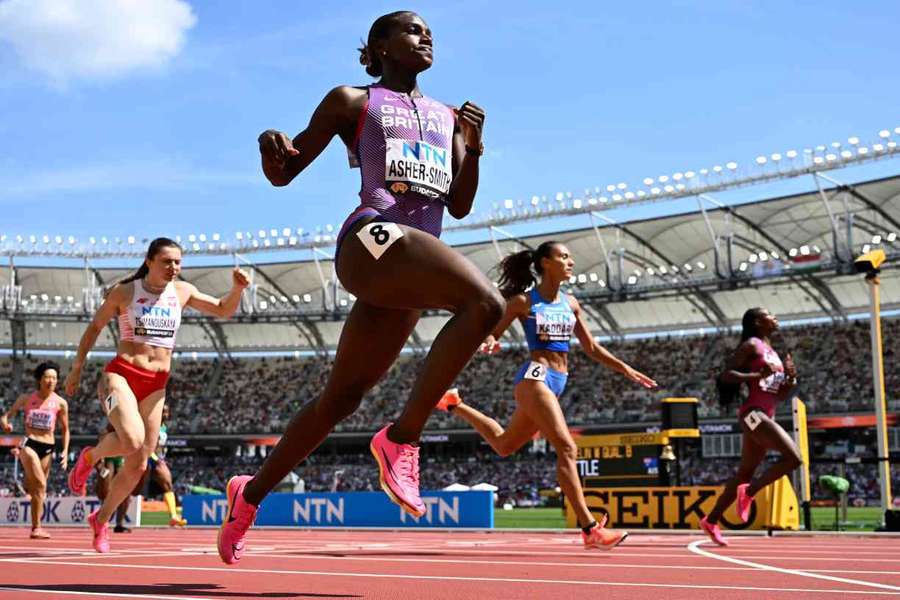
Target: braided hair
x=728 y=392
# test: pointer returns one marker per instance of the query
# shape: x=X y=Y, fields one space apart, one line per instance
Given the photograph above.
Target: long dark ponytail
x=381 y=28
x=516 y=273
x=152 y=250
x=728 y=392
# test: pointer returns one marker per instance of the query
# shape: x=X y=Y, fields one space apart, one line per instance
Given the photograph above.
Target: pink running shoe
x=602 y=539
x=101 y=533
x=238 y=519
x=398 y=467
x=713 y=531
x=450 y=399
x=80 y=473
x=39 y=534
x=744 y=501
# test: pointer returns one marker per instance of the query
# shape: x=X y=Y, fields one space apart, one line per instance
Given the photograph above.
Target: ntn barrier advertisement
x=352 y=509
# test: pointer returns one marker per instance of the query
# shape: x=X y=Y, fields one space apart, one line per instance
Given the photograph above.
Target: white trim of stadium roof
x=309 y=305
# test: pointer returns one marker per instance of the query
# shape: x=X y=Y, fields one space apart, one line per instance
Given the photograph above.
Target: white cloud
x=94 y=39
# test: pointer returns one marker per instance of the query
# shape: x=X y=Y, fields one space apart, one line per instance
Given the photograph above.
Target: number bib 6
x=378 y=237
x=536 y=371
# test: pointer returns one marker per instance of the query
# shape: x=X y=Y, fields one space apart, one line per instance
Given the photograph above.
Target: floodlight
x=869 y=262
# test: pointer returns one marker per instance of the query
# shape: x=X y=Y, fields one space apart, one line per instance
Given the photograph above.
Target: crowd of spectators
x=260 y=395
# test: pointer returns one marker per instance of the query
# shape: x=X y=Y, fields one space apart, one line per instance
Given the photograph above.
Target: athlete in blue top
x=549 y=318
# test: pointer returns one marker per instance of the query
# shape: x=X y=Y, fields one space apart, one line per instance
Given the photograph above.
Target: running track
x=183 y=564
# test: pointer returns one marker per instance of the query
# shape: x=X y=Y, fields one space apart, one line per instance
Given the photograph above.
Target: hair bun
x=364 y=58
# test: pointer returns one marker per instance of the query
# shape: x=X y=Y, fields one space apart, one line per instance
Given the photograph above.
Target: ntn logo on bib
x=425 y=168
x=554 y=325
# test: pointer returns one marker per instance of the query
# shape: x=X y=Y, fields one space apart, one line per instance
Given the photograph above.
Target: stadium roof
x=656 y=275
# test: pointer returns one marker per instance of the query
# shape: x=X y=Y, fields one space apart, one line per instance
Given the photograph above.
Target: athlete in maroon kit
x=769 y=381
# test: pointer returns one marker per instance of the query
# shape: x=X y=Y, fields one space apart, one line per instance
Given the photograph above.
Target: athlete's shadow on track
x=194 y=589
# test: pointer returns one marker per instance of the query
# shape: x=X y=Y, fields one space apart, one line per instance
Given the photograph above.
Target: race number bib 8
x=536 y=371
x=417 y=166
x=378 y=237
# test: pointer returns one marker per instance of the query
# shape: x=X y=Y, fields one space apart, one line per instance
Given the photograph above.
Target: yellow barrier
x=683 y=507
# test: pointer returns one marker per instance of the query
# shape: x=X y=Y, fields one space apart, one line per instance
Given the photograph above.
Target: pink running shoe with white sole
x=101 y=533
x=600 y=538
x=238 y=519
x=398 y=467
x=744 y=502
x=80 y=473
x=713 y=531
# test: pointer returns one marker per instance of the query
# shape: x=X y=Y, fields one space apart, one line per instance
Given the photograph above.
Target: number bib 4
x=536 y=371
x=417 y=166
x=378 y=237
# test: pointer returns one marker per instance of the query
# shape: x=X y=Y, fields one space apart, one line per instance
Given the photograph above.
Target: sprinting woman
x=43 y=409
x=769 y=381
x=148 y=305
x=417 y=156
x=549 y=318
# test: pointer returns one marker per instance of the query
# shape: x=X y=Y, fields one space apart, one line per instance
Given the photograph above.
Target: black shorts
x=41 y=448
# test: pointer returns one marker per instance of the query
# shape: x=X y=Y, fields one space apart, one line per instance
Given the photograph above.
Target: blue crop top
x=549 y=325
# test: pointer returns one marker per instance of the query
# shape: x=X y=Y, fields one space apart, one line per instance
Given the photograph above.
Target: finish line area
x=323 y=563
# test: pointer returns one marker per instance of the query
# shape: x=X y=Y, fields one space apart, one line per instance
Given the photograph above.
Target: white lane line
x=695 y=548
x=577 y=582
x=102 y=595
x=470 y=561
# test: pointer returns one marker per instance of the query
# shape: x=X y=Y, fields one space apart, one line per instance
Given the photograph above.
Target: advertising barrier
x=775 y=507
x=352 y=509
x=61 y=510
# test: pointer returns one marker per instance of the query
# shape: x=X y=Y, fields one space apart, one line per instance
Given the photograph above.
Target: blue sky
x=145 y=124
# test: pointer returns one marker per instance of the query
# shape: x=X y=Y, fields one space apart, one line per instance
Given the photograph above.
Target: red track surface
x=159 y=563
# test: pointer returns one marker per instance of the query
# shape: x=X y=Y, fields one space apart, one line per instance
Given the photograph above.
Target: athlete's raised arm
x=222 y=307
x=118 y=296
x=600 y=354
x=284 y=158
x=11 y=413
x=516 y=308
x=467 y=149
